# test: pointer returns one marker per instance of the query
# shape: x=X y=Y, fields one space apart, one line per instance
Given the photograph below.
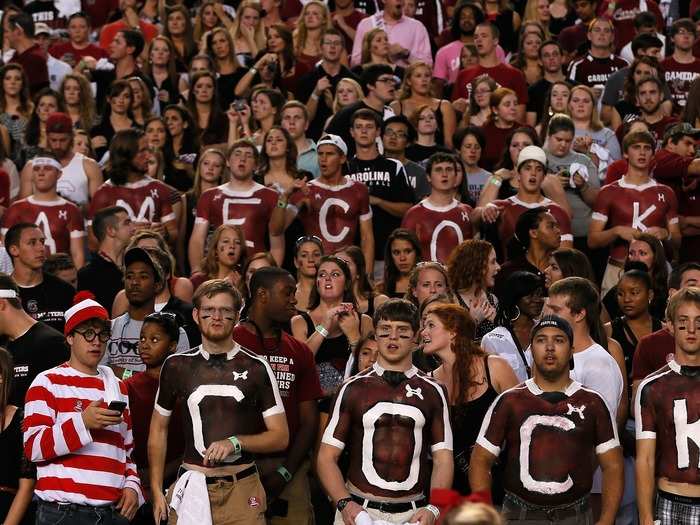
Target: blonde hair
x=405 y=91
x=259 y=33
x=353 y=84
x=300 y=33
x=367 y=44
x=594 y=122
x=210 y=263
x=469 y=513
x=196 y=190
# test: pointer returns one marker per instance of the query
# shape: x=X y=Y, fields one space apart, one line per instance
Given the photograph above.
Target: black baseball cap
x=142 y=255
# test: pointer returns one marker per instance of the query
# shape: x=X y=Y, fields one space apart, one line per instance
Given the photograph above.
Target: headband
x=46 y=161
x=8 y=294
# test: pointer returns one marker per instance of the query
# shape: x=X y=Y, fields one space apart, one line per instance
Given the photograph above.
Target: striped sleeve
x=47 y=436
x=132 y=480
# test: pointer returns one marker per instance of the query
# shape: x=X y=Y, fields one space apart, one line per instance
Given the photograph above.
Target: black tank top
x=623 y=334
x=466 y=421
x=331 y=357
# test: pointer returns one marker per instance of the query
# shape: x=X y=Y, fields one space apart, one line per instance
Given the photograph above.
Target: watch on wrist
x=342 y=503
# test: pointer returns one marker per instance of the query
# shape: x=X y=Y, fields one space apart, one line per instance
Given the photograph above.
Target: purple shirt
x=409 y=33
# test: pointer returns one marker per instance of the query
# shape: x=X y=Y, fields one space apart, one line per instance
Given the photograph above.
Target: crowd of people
x=296 y=262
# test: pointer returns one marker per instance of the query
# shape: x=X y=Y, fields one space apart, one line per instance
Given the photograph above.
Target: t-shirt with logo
x=386 y=179
x=48 y=300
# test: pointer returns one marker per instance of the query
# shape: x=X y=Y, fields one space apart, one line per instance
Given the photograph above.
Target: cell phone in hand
x=119 y=406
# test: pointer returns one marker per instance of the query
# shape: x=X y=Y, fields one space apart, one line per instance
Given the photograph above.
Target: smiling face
x=434 y=335
x=330 y=281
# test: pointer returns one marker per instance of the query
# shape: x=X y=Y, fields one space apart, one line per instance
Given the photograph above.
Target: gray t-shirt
x=606 y=138
x=123 y=346
x=476 y=182
x=581 y=210
x=418 y=179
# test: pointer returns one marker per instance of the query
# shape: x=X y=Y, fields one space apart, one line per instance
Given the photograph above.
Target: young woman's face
x=507 y=109
x=250 y=18
x=229 y=248
x=379 y=45
x=559 y=98
x=580 y=105
x=403 y=255
x=262 y=107
x=209 y=17
x=531 y=305
x=154 y=344
x=121 y=102
x=552 y=273
x=543 y=13
x=633 y=297
x=198 y=65
x=313 y=17
x=467 y=58
x=482 y=95
x=12 y=82
x=174 y=122
x=138 y=93
x=470 y=151
x=642 y=252
x=307 y=258
x=155 y=134
x=211 y=168
x=434 y=335
x=71 y=92
x=275 y=144
x=275 y=43
x=346 y=94
x=367 y=355
x=531 y=46
x=519 y=141
x=153 y=165
x=492 y=268
x=330 y=281
x=427 y=123
x=430 y=282
x=254 y=267
x=420 y=80
x=643 y=71
x=81 y=144
x=47 y=105
x=220 y=45
x=177 y=23
x=160 y=53
x=204 y=90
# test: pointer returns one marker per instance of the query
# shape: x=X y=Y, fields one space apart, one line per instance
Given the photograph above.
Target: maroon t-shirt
x=670 y=168
x=653 y=352
x=573 y=37
x=293 y=365
x=33 y=60
x=60 y=51
x=142 y=396
x=623 y=17
x=99 y=11
x=503 y=74
x=678 y=77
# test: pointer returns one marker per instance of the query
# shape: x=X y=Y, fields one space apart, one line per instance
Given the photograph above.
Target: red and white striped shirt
x=75 y=464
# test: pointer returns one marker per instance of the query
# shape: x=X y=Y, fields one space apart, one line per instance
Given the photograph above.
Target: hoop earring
x=513 y=319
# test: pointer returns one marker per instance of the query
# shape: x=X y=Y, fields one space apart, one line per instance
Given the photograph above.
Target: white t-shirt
x=500 y=342
x=596 y=369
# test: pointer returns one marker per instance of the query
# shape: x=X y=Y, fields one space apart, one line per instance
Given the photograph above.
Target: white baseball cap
x=532 y=153
x=333 y=140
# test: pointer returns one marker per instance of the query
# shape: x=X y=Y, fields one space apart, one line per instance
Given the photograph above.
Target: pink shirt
x=447 y=64
x=409 y=33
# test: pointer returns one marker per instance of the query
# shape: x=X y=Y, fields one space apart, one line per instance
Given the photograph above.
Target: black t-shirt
x=184 y=312
x=387 y=180
x=226 y=85
x=536 y=96
x=48 y=300
x=38 y=349
x=103 y=278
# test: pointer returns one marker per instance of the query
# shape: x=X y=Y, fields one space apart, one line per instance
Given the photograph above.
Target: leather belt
x=389 y=507
x=232 y=478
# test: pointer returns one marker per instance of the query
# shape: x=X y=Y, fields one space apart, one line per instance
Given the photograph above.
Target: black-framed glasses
x=90 y=334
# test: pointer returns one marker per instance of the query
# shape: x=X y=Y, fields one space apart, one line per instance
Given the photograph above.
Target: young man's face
x=216 y=317
x=585 y=9
x=124 y=228
x=332 y=48
x=78 y=30
x=89 y=353
x=639 y=155
x=558 y=305
x=395 y=340
x=364 y=132
x=551 y=58
x=45 y=177
x=601 y=34
x=281 y=300
x=686 y=328
x=684 y=40
x=118 y=48
x=140 y=283
x=551 y=352
x=294 y=122
x=654 y=52
x=242 y=163
x=395 y=138
x=385 y=88
x=685 y=147
x=484 y=40
x=549 y=232
x=443 y=176
x=330 y=160
x=60 y=144
x=648 y=97
x=530 y=176
x=31 y=249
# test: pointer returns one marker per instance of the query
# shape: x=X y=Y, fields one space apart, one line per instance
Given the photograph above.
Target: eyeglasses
x=90 y=334
x=395 y=134
x=389 y=80
x=332 y=43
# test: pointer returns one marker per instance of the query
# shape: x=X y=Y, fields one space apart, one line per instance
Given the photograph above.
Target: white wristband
x=433 y=510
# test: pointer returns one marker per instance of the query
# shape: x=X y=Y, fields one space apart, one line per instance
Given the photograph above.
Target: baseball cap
x=142 y=255
x=681 y=129
x=333 y=140
x=532 y=153
x=40 y=28
x=84 y=308
x=59 y=123
x=553 y=321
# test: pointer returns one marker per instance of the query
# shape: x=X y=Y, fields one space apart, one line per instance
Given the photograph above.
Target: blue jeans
x=69 y=514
